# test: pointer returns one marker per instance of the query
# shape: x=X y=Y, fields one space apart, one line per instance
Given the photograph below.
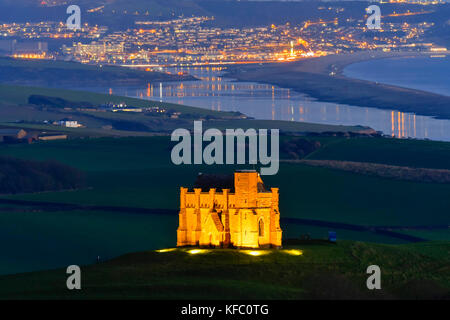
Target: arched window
x=261 y=228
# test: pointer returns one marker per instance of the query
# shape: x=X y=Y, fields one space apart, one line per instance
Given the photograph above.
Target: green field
x=138 y=172
x=443 y=234
x=411 y=153
x=40 y=240
x=323 y=271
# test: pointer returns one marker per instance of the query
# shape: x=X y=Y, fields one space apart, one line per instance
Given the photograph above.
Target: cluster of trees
x=298 y=148
x=22 y=176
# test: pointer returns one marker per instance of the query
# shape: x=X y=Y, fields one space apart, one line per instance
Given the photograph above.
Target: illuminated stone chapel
x=229 y=212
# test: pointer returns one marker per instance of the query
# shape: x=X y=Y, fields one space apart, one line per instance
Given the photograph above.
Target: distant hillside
x=119 y=14
x=23 y=176
x=440 y=33
x=59 y=73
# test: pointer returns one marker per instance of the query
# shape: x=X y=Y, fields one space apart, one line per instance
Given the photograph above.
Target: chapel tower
x=234 y=211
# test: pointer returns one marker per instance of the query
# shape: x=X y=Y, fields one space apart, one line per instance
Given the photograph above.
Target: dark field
x=107 y=198
x=411 y=153
x=323 y=271
x=137 y=172
x=131 y=200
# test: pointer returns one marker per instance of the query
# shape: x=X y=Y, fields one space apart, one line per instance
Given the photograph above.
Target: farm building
x=12 y=135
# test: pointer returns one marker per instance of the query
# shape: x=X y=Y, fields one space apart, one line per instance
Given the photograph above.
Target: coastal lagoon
x=263 y=101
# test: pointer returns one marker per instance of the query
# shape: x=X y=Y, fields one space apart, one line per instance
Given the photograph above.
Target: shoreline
x=17 y=96
x=322 y=78
x=48 y=73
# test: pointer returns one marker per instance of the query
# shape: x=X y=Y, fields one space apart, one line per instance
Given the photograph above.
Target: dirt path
x=382 y=170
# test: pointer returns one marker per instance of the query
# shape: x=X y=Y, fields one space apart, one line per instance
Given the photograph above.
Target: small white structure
x=69 y=123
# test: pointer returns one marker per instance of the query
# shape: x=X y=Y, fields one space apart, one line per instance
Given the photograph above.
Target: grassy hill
x=322 y=271
x=138 y=172
x=132 y=200
x=61 y=73
x=413 y=153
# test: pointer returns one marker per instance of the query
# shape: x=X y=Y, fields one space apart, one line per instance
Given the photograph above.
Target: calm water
x=263 y=101
x=425 y=73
